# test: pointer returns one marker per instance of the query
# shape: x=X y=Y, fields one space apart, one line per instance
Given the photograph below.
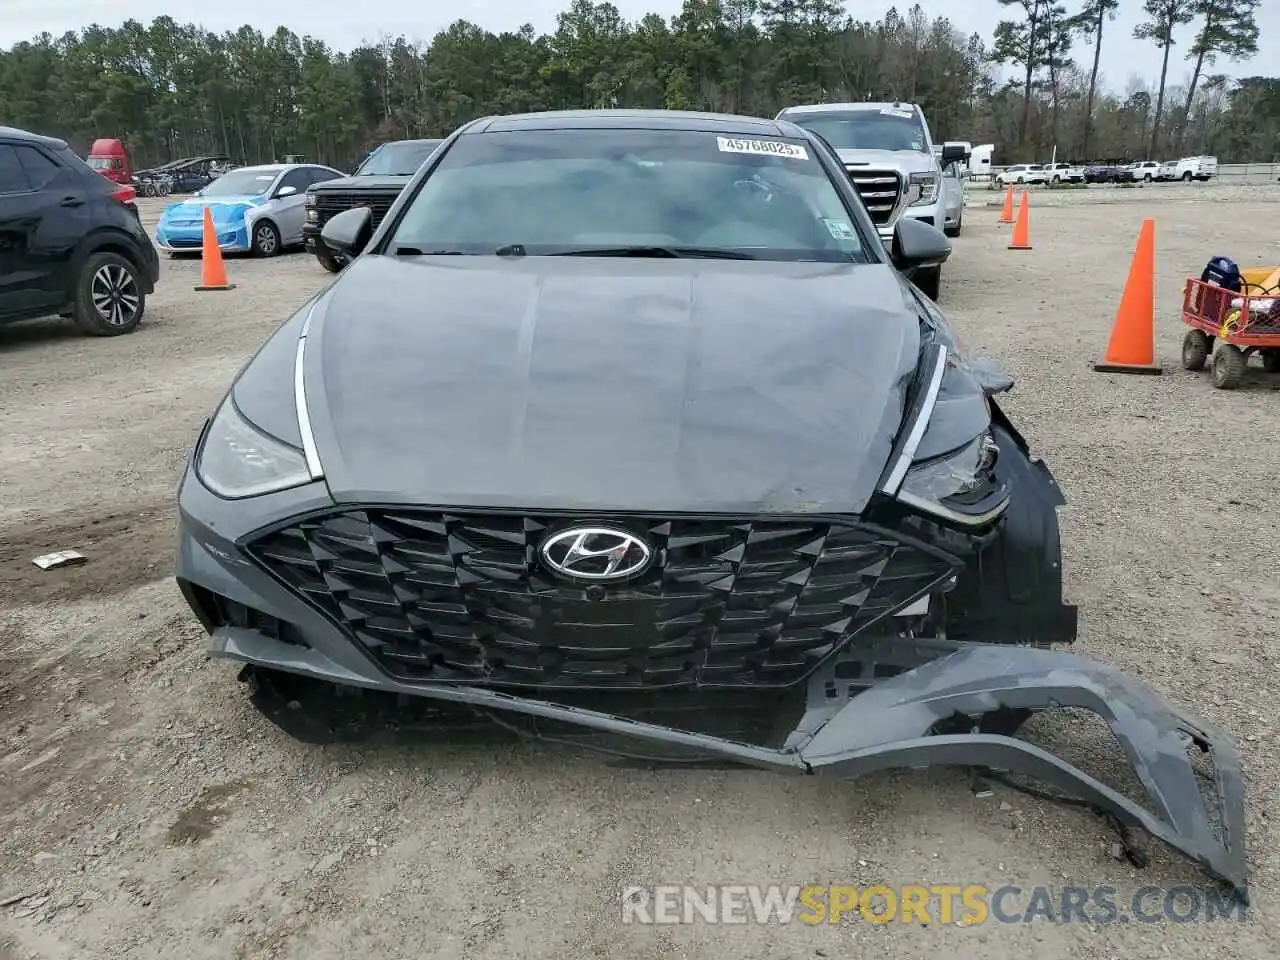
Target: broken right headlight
x=960 y=486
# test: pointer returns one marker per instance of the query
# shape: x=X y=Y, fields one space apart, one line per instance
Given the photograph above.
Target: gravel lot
x=146 y=811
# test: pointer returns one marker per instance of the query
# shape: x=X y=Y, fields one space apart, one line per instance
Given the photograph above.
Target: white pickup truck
x=1064 y=172
x=1188 y=169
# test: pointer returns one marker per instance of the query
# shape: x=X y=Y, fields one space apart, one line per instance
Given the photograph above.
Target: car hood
x=615 y=384
x=362 y=183
x=908 y=161
x=193 y=209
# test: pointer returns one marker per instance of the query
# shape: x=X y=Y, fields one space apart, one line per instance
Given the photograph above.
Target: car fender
x=115 y=240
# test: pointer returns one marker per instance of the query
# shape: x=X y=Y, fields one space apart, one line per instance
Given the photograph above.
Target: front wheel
x=328 y=260
x=108 y=299
x=1195 y=349
x=1186 y=177
x=266 y=239
x=1146 y=178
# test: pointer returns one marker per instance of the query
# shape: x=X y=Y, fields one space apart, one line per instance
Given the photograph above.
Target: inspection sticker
x=839 y=229
x=762 y=148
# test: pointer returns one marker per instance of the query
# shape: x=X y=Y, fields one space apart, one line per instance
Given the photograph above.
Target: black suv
x=375 y=184
x=71 y=242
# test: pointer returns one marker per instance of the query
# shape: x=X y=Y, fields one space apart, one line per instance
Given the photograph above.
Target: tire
x=1196 y=347
x=328 y=260
x=1186 y=177
x=1146 y=178
x=930 y=282
x=954 y=231
x=1271 y=360
x=1057 y=180
x=266 y=239
x=1229 y=363
x=108 y=299
x=1021 y=180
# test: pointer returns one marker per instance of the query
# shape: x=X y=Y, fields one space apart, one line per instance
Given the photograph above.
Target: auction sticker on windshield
x=762 y=148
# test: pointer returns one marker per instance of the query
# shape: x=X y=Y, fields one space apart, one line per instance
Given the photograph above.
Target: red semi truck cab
x=109 y=158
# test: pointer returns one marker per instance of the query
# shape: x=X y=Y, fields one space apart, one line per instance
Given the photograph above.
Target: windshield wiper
x=703 y=253
x=402 y=251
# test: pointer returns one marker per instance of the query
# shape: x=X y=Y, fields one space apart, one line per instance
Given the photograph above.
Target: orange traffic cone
x=1006 y=215
x=213 y=275
x=1132 y=348
x=1022 y=229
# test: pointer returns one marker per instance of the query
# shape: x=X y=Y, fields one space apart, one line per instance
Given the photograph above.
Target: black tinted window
x=320 y=174
x=13 y=179
x=298 y=179
x=40 y=169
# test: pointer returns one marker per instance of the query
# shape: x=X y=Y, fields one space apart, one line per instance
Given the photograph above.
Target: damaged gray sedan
x=628 y=424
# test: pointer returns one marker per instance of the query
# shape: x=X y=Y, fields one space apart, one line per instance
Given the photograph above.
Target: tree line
x=174 y=89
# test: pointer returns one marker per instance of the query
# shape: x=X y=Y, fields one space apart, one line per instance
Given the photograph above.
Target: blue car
x=257 y=210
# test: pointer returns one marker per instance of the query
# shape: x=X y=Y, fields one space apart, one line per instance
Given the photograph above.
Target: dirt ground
x=146 y=811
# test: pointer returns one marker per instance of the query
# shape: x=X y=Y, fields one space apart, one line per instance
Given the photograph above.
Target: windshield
x=887 y=129
x=615 y=190
x=241 y=183
x=397 y=159
x=104 y=163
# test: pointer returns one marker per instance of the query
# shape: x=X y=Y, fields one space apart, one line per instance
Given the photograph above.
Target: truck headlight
x=924 y=188
x=960 y=486
x=310 y=200
x=238 y=460
x=313 y=215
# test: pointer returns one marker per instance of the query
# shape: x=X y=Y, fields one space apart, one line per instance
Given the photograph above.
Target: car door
x=289 y=208
x=40 y=211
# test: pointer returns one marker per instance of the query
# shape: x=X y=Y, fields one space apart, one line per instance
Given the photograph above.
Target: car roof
x=860 y=106
x=13 y=133
x=725 y=123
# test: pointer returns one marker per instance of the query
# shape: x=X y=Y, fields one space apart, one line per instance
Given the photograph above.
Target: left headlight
x=238 y=460
x=924 y=188
x=960 y=486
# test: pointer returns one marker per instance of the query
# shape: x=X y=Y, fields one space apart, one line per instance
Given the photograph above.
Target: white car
x=1023 y=173
x=255 y=209
x=1064 y=173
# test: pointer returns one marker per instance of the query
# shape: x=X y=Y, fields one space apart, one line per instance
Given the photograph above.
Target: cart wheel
x=1195 y=349
x=1228 y=366
x=1271 y=360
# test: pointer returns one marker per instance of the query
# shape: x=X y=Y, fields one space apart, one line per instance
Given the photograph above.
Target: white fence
x=1228 y=172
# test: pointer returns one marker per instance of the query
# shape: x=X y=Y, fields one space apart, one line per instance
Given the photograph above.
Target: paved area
x=146 y=811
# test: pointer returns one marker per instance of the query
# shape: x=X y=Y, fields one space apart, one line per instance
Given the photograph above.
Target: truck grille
x=880 y=191
x=728 y=602
x=331 y=202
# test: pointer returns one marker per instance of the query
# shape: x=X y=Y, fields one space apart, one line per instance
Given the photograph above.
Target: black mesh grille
x=727 y=602
x=332 y=202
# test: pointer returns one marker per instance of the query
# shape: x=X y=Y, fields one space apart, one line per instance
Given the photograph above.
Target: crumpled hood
x=222 y=207
x=609 y=384
x=907 y=161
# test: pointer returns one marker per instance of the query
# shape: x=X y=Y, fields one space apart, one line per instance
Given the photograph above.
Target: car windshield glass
x=241 y=183
x=103 y=163
x=630 y=192
x=888 y=129
x=397 y=159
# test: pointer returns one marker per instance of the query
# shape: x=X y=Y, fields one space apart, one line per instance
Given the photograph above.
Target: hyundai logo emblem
x=599 y=554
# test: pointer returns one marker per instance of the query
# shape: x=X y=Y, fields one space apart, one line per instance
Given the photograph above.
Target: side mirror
x=915 y=244
x=954 y=153
x=348 y=232
x=286 y=192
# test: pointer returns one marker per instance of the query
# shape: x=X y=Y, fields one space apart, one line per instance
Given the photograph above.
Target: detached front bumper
x=847 y=721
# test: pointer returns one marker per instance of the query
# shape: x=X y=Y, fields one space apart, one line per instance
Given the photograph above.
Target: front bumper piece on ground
x=894 y=724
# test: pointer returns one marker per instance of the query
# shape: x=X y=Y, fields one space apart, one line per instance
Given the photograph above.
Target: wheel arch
x=110 y=240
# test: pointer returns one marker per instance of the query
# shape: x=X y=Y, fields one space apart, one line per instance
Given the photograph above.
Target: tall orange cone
x=1022 y=229
x=1132 y=348
x=1006 y=215
x=213 y=275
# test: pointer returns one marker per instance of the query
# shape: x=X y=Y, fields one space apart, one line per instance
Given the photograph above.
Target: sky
x=345 y=23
